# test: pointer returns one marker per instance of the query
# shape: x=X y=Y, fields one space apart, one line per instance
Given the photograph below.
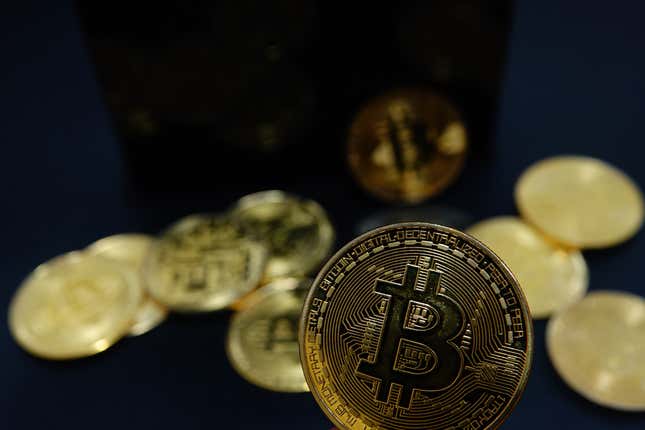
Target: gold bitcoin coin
x=416 y=326
x=202 y=263
x=297 y=232
x=407 y=145
x=598 y=348
x=580 y=201
x=262 y=340
x=132 y=249
x=552 y=277
x=74 y=306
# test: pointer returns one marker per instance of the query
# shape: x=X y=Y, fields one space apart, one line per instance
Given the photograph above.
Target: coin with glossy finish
x=552 y=277
x=132 y=249
x=407 y=145
x=598 y=348
x=74 y=306
x=262 y=342
x=297 y=232
x=203 y=263
x=580 y=201
x=416 y=326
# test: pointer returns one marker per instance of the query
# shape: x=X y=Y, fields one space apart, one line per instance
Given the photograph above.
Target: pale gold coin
x=297 y=232
x=551 y=277
x=580 y=201
x=74 y=306
x=203 y=263
x=598 y=348
x=131 y=249
x=262 y=343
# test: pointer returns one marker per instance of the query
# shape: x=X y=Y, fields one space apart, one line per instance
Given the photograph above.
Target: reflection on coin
x=415 y=326
x=443 y=215
x=262 y=340
x=297 y=232
x=132 y=249
x=407 y=145
x=551 y=277
x=580 y=201
x=598 y=348
x=202 y=263
x=74 y=306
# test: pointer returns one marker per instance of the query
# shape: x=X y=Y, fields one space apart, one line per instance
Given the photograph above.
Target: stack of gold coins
x=569 y=204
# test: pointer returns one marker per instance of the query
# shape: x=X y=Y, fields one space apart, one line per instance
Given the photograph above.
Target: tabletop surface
x=574 y=84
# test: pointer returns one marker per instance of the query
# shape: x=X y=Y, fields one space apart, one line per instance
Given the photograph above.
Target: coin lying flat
x=132 y=249
x=407 y=145
x=297 y=232
x=262 y=341
x=598 y=345
x=202 y=263
x=551 y=277
x=580 y=201
x=444 y=215
x=416 y=326
x=74 y=306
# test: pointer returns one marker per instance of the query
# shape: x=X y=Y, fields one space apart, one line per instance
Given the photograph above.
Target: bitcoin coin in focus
x=203 y=263
x=551 y=277
x=598 y=345
x=416 y=326
x=74 y=306
x=132 y=249
x=580 y=201
x=407 y=145
x=262 y=342
x=297 y=232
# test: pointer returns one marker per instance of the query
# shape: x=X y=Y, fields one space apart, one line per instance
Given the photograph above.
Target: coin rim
x=494 y=257
x=578 y=244
x=565 y=376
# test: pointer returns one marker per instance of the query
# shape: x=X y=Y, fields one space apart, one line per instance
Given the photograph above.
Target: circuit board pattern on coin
x=416 y=326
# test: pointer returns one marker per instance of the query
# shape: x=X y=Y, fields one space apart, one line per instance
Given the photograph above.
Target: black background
x=574 y=84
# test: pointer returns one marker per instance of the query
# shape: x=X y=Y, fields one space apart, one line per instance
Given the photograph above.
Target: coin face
x=202 y=263
x=132 y=249
x=597 y=346
x=297 y=232
x=74 y=306
x=580 y=201
x=416 y=326
x=551 y=277
x=262 y=342
x=407 y=145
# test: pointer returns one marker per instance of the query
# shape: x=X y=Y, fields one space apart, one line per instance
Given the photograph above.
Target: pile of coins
x=82 y=302
x=568 y=204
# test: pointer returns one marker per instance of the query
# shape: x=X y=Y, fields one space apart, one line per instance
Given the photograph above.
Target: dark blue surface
x=574 y=85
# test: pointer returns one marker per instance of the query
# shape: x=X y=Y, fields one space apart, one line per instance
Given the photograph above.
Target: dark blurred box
x=208 y=93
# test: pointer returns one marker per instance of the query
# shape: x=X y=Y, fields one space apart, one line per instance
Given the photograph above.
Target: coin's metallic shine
x=203 y=263
x=297 y=232
x=416 y=326
x=262 y=342
x=580 y=201
x=407 y=145
x=132 y=249
x=551 y=277
x=598 y=347
x=74 y=305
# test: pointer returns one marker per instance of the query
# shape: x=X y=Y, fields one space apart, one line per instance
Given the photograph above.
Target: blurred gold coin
x=74 y=306
x=297 y=232
x=407 y=145
x=132 y=249
x=550 y=276
x=580 y=201
x=202 y=263
x=598 y=348
x=262 y=342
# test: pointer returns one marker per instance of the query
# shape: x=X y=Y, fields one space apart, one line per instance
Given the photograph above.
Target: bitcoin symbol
x=416 y=349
